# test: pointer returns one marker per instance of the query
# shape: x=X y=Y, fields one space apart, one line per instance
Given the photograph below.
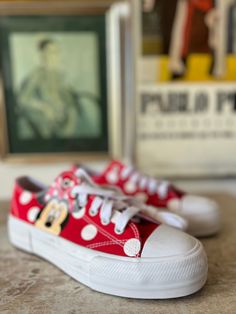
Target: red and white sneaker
x=202 y=214
x=96 y=236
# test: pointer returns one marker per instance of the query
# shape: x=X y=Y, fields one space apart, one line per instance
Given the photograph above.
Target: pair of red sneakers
x=93 y=227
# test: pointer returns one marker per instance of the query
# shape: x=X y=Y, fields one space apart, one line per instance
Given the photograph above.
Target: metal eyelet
x=118 y=231
x=66 y=183
x=105 y=222
x=92 y=213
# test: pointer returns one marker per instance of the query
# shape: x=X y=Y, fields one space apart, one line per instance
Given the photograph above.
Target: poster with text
x=186 y=123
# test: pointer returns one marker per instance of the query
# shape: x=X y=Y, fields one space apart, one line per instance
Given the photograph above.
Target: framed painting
x=55 y=79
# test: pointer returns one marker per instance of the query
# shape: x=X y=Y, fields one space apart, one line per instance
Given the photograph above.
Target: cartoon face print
x=53 y=217
x=62 y=190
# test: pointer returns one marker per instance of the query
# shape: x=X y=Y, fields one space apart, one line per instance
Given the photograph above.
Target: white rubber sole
x=145 y=278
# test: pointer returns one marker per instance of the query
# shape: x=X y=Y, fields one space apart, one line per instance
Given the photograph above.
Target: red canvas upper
x=52 y=209
x=112 y=175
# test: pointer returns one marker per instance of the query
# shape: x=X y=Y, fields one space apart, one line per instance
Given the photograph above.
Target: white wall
x=8 y=172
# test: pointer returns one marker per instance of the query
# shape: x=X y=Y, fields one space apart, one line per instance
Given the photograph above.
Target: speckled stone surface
x=31 y=285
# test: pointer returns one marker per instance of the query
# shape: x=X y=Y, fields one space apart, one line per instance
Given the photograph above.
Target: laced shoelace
x=108 y=203
x=145 y=182
x=111 y=203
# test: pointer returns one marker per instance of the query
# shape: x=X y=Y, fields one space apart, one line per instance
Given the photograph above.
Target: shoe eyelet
x=92 y=213
x=105 y=222
x=118 y=231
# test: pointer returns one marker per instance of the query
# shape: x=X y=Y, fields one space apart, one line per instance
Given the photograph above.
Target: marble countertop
x=31 y=285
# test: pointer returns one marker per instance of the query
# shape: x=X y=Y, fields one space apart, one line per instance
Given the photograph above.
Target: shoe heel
x=19 y=234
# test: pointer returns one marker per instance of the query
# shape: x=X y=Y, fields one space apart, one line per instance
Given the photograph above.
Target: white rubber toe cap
x=202 y=214
x=166 y=241
x=192 y=205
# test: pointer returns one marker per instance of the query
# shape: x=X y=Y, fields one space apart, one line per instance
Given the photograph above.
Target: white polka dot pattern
x=33 y=213
x=113 y=176
x=25 y=198
x=130 y=187
x=132 y=247
x=89 y=232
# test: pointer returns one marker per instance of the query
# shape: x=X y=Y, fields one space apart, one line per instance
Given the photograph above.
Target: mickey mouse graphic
x=59 y=202
x=53 y=217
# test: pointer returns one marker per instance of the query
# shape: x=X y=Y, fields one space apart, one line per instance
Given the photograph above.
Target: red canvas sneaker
x=202 y=214
x=97 y=237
